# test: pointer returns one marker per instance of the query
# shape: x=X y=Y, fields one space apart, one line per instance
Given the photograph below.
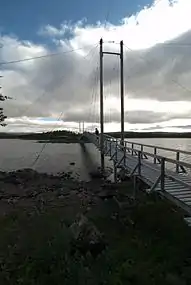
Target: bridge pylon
x=102 y=101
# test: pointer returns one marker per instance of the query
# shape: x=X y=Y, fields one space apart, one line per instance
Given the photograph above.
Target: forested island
x=64 y=136
x=52 y=137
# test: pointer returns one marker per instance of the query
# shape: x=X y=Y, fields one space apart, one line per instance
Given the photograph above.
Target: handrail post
x=116 y=150
x=105 y=145
x=101 y=107
x=162 y=173
x=115 y=172
x=177 y=159
x=132 y=146
x=141 y=150
x=127 y=146
x=110 y=148
x=155 y=153
x=124 y=149
x=139 y=163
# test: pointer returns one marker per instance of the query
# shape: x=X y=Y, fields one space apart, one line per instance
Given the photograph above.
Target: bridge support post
x=177 y=158
x=122 y=92
x=142 y=156
x=124 y=149
x=110 y=147
x=101 y=95
x=139 y=163
x=162 y=174
x=101 y=108
x=115 y=171
x=132 y=146
x=116 y=150
x=155 y=153
x=134 y=186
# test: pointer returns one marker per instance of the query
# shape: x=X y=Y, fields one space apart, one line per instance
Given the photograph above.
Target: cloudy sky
x=49 y=59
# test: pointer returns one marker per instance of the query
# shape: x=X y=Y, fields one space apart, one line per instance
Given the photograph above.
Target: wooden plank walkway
x=173 y=184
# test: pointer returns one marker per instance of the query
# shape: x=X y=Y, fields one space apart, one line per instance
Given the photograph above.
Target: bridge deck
x=174 y=185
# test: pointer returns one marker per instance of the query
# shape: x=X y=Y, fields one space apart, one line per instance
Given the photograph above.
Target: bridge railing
x=109 y=143
x=132 y=147
x=155 y=150
x=141 y=154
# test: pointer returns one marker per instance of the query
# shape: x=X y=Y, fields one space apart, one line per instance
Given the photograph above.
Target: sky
x=49 y=60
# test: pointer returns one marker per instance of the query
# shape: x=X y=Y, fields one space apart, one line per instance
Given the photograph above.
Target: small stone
x=74 y=192
x=114 y=216
x=61 y=197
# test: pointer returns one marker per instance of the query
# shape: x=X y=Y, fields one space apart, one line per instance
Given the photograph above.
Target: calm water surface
x=16 y=154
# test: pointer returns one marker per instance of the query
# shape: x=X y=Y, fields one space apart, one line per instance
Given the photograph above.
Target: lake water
x=16 y=154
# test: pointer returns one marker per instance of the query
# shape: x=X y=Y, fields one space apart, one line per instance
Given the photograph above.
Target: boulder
x=86 y=237
x=107 y=193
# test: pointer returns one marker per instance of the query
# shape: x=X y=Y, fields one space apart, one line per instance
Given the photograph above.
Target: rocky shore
x=35 y=193
x=55 y=229
x=31 y=186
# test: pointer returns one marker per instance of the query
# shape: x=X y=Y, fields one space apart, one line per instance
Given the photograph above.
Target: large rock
x=86 y=237
x=107 y=191
x=106 y=194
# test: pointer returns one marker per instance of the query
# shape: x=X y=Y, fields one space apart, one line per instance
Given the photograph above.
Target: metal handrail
x=140 y=161
x=164 y=159
x=159 y=157
x=160 y=147
x=170 y=160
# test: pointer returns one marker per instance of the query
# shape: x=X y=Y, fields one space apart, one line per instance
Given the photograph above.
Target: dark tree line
x=2 y=115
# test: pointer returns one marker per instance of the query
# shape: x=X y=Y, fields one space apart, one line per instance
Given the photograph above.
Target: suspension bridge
x=134 y=158
x=136 y=161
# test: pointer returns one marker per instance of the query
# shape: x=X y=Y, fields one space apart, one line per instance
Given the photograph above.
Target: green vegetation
x=148 y=243
x=2 y=99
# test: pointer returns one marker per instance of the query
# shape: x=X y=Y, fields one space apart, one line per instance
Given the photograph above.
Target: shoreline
x=67 y=136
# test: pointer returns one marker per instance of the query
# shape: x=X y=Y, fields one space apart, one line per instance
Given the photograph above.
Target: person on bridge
x=96 y=132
